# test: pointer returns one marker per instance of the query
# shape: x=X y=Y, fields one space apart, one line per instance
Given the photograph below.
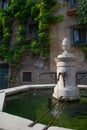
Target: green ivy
x=82 y=11
x=82 y=16
x=39 y=11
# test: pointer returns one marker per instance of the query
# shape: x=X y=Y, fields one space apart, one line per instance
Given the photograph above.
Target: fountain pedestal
x=66 y=88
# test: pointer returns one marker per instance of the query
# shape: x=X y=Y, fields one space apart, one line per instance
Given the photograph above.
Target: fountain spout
x=63 y=74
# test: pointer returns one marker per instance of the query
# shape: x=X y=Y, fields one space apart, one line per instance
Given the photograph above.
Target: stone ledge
x=11 y=122
x=2 y=98
x=58 y=128
x=26 y=87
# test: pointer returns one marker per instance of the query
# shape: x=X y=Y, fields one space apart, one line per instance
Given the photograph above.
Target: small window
x=80 y=35
x=26 y=76
x=0 y=37
x=73 y=3
x=33 y=30
x=1 y=34
x=4 y=4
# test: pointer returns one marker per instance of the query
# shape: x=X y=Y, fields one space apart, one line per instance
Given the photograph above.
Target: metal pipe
x=57 y=115
x=63 y=74
x=42 y=116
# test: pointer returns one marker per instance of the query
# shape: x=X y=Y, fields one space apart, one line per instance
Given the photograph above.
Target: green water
x=34 y=103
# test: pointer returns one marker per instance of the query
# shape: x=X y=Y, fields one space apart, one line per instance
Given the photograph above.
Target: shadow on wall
x=47 y=78
x=81 y=77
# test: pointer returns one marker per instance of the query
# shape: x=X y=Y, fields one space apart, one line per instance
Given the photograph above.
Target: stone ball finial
x=66 y=45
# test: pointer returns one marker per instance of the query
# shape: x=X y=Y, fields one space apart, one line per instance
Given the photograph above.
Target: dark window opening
x=0 y=37
x=27 y=76
x=80 y=36
x=73 y=3
x=4 y=4
x=1 y=34
x=4 y=71
x=23 y=1
x=32 y=30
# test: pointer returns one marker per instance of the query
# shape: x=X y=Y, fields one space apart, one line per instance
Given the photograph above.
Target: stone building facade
x=69 y=28
x=35 y=70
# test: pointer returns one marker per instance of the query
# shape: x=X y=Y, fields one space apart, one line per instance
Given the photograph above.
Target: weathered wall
x=35 y=65
x=58 y=33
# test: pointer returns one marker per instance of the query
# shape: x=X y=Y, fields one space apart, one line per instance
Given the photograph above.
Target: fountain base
x=66 y=94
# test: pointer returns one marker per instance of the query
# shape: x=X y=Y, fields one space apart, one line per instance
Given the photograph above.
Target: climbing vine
x=39 y=11
x=82 y=16
x=82 y=11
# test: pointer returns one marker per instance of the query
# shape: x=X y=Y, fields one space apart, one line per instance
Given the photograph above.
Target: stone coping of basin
x=26 y=87
x=2 y=98
x=11 y=122
x=13 y=90
x=82 y=87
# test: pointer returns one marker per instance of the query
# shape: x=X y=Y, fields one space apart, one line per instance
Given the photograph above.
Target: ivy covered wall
x=39 y=12
x=82 y=11
x=82 y=16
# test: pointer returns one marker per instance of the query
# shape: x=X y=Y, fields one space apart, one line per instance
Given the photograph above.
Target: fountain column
x=66 y=87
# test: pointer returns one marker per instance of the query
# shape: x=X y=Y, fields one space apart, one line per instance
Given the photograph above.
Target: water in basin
x=34 y=103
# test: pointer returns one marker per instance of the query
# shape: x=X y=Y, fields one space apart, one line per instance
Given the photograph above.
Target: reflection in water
x=75 y=109
x=68 y=114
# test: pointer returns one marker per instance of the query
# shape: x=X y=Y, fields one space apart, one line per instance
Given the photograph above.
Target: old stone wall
x=36 y=66
x=58 y=33
x=37 y=69
x=32 y=67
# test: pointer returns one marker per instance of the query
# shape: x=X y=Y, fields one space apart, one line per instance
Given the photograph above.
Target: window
x=80 y=35
x=1 y=34
x=26 y=76
x=73 y=3
x=4 y=76
x=23 y=1
x=4 y=4
x=32 y=29
x=0 y=37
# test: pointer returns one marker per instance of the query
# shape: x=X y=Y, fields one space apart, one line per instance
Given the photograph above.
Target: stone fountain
x=66 y=88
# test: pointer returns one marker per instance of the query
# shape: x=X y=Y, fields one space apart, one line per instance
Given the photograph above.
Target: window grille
x=80 y=35
x=73 y=3
x=27 y=77
x=4 y=4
